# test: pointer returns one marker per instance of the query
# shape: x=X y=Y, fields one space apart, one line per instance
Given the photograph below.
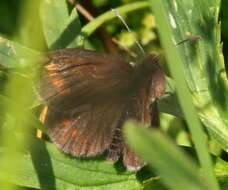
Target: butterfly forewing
x=74 y=77
x=84 y=92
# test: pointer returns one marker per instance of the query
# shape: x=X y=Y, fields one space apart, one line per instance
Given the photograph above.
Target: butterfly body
x=90 y=95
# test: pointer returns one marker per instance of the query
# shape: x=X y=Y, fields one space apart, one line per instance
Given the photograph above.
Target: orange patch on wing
x=67 y=123
x=74 y=133
x=58 y=83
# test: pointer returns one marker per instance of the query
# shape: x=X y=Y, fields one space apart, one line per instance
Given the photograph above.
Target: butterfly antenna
x=116 y=12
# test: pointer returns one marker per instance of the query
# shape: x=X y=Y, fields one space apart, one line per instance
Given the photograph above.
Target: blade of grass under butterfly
x=42 y=166
x=161 y=12
x=52 y=166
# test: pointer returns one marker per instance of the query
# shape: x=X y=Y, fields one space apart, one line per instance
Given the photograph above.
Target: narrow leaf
x=60 y=27
x=176 y=170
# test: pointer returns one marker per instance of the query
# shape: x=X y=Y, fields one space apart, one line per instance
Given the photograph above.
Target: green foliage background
x=196 y=75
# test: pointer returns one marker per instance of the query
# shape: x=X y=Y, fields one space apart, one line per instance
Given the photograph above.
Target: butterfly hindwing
x=84 y=134
x=143 y=109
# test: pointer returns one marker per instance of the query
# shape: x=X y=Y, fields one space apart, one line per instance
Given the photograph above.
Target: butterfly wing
x=83 y=90
x=138 y=109
x=74 y=77
x=84 y=134
x=86 y=94
x=143 y=108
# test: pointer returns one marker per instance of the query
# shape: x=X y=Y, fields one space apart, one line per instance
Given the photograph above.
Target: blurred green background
x=143 y=28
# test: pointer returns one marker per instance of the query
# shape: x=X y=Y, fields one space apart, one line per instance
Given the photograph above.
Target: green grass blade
x=60 y=28
x=176 y=170
x=165 y=25
x=88 y=29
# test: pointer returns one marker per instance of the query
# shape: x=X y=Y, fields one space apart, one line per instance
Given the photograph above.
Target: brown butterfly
x=90 y=95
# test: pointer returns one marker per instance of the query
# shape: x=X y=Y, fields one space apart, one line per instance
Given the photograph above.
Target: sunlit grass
x=19 y=90
x=172 y=165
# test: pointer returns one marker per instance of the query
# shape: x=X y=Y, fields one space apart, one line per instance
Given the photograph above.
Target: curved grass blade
x=89 y=28
x=183 y=69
